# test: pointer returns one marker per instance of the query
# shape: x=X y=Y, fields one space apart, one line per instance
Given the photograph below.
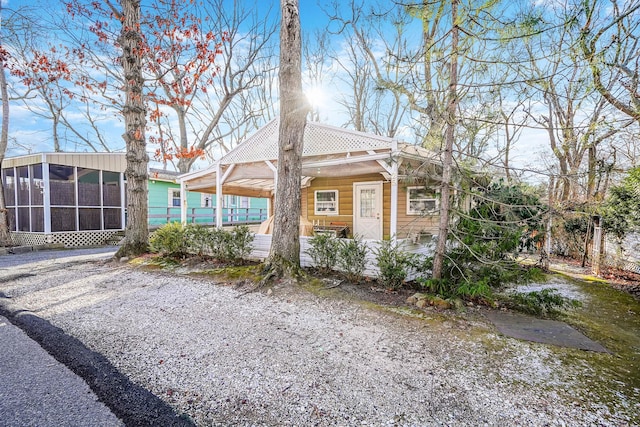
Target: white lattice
x=319 y=139
x=28 y=239
x=262 y=244
x=69 y=240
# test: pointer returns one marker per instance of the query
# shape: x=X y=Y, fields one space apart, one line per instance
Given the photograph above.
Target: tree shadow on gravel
x=134 y=405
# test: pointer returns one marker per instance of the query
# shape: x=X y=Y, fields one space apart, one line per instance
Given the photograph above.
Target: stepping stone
x=544 y=331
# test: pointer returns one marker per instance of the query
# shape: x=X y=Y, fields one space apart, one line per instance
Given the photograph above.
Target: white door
x=367 y=210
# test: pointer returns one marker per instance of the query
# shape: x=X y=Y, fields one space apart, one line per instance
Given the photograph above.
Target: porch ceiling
x=256 y=179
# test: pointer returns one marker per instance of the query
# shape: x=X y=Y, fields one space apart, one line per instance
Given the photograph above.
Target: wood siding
x=344 y=185
x=410 y=225
x=407 y=225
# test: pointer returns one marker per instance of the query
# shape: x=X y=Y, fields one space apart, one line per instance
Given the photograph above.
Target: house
x=353 y=183
x=79 y=199
x=165 y=201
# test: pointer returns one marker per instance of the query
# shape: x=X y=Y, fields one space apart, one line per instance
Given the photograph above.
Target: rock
x=124 y=259
x=422 y=303
x=458 y=304
x=440 y=303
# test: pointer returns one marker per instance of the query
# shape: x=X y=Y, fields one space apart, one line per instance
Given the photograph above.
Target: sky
x=33 y=132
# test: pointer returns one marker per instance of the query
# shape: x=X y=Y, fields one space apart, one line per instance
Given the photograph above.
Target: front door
x=367 y=210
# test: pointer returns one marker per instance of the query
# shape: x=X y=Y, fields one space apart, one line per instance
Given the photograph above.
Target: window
x=206 y=200
x=326 y=202
x=174 y=198
x=236 y=202
x=421 y=201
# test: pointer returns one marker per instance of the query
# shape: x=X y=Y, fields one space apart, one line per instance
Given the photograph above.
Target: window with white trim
x=421 y=201
x=174 y=198
x=206 y=200
x=236 y=202
x=326 y=202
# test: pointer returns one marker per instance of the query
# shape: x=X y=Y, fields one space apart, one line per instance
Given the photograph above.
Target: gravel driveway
x=291 y=357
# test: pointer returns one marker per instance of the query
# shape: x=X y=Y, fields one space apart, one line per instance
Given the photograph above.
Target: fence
x=207 y=216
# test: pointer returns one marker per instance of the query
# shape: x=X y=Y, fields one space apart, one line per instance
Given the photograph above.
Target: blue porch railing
x=207 y=216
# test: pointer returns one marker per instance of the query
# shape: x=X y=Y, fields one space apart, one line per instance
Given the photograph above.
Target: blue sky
x=35 y=132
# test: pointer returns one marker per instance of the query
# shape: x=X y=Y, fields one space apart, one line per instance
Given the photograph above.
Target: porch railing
x=207 y=216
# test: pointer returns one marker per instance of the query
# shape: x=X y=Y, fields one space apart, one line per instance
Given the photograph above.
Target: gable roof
x=327 y=151
x=319 y=139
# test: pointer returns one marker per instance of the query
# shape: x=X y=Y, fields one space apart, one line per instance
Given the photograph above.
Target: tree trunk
x=5 y=236
x=284 y=256
x=137 y=232
x=447 y=157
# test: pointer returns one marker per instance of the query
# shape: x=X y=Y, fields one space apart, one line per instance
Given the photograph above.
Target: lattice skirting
x=262 y=245
x=72 y=239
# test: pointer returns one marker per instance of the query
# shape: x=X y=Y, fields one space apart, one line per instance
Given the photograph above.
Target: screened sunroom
x=75 y=199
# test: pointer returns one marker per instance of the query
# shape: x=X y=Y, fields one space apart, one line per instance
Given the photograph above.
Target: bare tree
x=369 y=106
x=284 y=256
x=5 y=236
x=202 y=78
x=610 y=42
x=577 y=118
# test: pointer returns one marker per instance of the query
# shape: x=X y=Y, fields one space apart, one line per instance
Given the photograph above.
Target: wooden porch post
x=219 y=196
x=393 y=220
x=183 y=204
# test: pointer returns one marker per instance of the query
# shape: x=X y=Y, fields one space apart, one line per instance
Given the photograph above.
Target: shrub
x=238 y=244
x=351 y=258
x=545 y=302
x=176 y=240
x=440 y=287
x=323 y=251
x=197 y=238
x=169 y=240
x=230 y=246
x=475 y=291
x=393 y=264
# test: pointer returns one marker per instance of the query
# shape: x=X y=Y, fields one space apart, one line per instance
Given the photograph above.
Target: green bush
x=169 y=240
x=323 y=251
x=176 y=240
x=239 y=243
x=230 y=246
x=351 y=258
x=483 y=242
x=197 y=238
x=393 y=264
x=475 y=291
x=540 y=303
x=440 y=287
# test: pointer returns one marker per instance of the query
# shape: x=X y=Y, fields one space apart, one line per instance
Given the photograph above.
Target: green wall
x=159 y=202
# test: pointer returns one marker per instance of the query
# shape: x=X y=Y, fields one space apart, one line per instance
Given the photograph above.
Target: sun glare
x=316 y=96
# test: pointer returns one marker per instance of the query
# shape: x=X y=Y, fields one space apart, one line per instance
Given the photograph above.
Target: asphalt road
x=36 y=389
x=50 y=378
x=12 y=260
